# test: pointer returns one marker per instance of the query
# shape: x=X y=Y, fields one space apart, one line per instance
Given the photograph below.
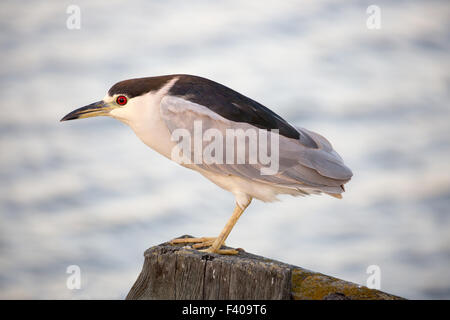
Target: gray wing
x=230 y=104
x=300 y=166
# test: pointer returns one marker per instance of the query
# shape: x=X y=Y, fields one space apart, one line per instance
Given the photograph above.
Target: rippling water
x=89 y=193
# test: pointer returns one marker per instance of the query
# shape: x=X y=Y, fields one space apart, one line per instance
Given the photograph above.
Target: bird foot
x=196 y=242
x=221 y=251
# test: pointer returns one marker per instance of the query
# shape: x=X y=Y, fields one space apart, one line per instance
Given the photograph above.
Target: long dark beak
x=95 y=109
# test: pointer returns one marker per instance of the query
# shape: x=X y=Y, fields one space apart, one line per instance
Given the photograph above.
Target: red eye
x=121 y=100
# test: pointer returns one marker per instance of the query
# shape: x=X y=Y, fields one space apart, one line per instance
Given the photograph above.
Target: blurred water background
x=89 y=193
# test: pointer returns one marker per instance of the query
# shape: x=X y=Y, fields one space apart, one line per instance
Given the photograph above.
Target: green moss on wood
x=307 y=285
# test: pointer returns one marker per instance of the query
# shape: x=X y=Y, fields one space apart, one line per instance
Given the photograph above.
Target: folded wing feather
x=300 y=166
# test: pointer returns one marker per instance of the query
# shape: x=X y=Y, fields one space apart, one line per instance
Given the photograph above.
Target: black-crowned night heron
x=190 y=119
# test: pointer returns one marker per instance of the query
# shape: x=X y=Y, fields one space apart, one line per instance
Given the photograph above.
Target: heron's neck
x=144 y=117
x=149 y=127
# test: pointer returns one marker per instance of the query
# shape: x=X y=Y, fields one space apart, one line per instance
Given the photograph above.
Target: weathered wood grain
x=177 y=272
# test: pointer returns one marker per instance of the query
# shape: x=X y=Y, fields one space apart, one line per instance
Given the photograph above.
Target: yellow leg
x=220 y=240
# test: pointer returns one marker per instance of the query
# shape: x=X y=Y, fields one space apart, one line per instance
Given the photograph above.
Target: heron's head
x=100 y=108
x=124 y=101
x=117 y=103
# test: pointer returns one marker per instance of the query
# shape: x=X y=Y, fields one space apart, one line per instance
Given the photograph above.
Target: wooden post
x=177 y=272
